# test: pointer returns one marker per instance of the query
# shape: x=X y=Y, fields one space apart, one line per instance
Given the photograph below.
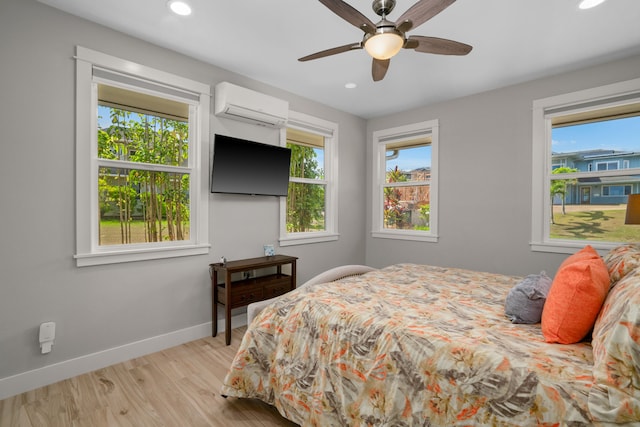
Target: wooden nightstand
x=244 y=291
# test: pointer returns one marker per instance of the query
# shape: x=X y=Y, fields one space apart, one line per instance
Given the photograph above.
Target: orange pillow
x=575 y=298
x=583 y=254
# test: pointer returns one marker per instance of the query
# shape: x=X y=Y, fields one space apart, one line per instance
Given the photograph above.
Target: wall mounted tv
x=247 y=167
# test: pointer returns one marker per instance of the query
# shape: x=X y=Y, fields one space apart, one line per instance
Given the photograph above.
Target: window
x=141 y=179
x=405 y=191
x=606 y=166
x=558 y=163
x=616 y=190
x=584 y=201
x=308 y=214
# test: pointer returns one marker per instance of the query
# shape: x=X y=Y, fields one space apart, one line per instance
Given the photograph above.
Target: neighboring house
x=416 y=198
x=599 y=190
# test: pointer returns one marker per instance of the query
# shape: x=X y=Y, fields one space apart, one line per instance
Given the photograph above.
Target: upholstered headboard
x=330 y=275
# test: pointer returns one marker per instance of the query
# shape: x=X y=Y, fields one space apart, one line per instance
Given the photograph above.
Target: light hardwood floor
x=175 y=387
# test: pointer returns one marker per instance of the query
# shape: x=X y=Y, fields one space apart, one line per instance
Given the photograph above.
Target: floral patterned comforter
x=409 y=345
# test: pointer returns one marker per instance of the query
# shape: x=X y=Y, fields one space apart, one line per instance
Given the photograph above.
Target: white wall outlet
x=47 y=335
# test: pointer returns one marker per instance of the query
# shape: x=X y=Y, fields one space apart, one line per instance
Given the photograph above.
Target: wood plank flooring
x=174 y=387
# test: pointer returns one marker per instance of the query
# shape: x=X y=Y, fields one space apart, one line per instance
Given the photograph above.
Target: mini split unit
x=238 y=103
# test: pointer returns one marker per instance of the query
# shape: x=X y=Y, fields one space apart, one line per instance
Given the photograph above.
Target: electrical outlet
x=46 y=336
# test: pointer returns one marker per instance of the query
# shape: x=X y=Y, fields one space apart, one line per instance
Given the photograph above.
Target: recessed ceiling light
x=588 y=4
x=350 y=85
x=179 y=7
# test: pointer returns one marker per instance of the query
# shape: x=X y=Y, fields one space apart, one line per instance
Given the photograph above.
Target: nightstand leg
x=214 y=304
x=227 y=309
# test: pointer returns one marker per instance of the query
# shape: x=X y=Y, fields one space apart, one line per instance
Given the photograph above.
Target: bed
x=419 y=345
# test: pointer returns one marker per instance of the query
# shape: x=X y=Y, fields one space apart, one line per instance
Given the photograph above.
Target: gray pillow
x=525 y=300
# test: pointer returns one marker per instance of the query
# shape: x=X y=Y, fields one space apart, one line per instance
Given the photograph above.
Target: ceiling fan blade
x=437 y=45
x=350 y=15
x=379 y=68
x=420 y=13
x=332 y=51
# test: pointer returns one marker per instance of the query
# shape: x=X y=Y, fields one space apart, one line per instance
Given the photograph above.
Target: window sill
x=306 y=238
x=405 y=235
x=131 y=255
x=570 y=247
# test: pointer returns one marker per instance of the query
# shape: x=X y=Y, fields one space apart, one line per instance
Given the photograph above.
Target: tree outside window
x=306 y=196
x=559 y=189
x=139 y=202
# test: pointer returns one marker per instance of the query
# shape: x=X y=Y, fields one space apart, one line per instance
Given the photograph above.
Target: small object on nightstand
x=269 y=251
x=223 y=260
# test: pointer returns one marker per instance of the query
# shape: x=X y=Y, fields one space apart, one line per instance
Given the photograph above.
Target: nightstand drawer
x=246 y=296
x=275 y=289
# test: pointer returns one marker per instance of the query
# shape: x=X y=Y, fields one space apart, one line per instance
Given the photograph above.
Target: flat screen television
x=247 y=167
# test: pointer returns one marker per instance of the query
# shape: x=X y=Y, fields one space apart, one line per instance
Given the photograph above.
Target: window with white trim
x=606 y=166
x=405 y=190
x=584 y=202
x=141 y=162
x=309 y=213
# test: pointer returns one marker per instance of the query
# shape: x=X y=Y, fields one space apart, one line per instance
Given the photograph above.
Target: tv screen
x=247 y=167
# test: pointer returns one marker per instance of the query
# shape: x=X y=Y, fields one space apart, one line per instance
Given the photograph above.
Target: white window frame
x=88 y=252
x=329 y=131
x=543 y=111
x=395 y=135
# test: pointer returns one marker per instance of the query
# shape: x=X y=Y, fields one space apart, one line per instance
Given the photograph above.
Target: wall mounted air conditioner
x=239 y=103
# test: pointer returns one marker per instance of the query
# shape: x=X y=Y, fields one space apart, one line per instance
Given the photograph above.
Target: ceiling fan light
x=384 y=45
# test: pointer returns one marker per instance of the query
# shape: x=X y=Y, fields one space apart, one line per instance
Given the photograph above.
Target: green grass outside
x=599 y=225
x=110 y=231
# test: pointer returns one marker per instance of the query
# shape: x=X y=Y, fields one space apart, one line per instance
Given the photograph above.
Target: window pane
x=305 y=207
x=138 y=206
x=588 y=222
x=408 y=164
x=306 y=161
x=407 y=207
x=598 y=145
x=593 y=207
x=146 y=129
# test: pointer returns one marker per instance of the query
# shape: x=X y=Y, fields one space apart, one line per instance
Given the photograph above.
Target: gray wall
x=103 y=307
x=485 y=176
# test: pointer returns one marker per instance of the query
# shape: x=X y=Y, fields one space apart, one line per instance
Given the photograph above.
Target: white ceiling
x=513 y=41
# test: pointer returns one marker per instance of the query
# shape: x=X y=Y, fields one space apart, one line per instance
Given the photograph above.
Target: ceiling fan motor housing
x=383 y=7
x=384 y=27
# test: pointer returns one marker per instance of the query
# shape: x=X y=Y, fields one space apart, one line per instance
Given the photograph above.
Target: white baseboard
x=16 y=384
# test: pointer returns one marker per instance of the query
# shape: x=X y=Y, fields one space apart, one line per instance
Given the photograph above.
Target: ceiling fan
x=385 y=39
